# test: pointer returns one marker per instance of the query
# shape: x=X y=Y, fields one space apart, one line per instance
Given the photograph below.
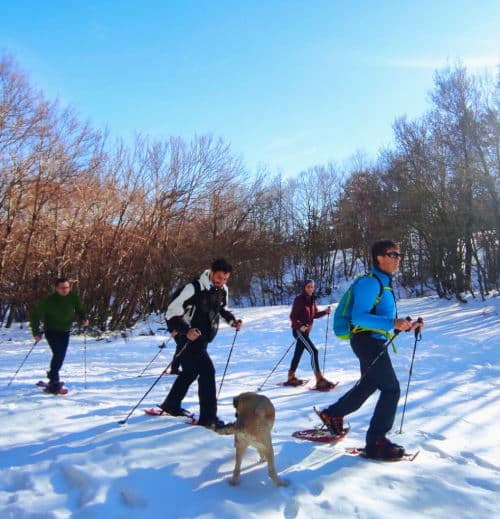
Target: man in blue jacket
x=371 y=327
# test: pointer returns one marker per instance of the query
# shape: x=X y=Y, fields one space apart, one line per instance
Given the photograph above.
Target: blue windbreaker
x=365 y=292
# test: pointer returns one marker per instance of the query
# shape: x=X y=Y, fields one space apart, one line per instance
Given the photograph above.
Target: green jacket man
x=57 y=313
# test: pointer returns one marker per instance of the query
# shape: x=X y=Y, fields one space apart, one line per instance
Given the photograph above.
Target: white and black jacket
x=199 y=305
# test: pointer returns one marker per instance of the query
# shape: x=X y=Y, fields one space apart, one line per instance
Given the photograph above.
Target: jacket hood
x=204 y=280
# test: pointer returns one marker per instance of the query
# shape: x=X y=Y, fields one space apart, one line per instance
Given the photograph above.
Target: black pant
x=304 y=341
x=380 y=376
x=58 y=342
x=196 y=364
x=176 y=361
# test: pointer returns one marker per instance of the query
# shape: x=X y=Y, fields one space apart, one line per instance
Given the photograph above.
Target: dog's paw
x=234 y=482
x=282 y=482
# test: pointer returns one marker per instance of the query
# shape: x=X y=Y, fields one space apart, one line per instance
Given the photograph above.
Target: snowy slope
x=66 y=456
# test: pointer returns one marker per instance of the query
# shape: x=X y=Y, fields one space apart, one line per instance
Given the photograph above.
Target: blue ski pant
x=58 y=342
x=380 y=376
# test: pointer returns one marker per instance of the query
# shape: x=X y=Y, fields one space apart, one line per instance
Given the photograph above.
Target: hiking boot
x=218 y=423
x=324 y=385
x=335 y=424
x=175 y=411
x=53 y=387
x=383 y=449
x=294 y=382
x=214 y=423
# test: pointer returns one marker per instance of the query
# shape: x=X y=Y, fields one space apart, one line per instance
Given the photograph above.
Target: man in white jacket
x=193 y=318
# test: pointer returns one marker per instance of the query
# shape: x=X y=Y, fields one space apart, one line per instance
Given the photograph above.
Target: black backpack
x=197 y=289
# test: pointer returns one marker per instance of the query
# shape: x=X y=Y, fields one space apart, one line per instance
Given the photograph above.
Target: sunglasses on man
x=394 y=255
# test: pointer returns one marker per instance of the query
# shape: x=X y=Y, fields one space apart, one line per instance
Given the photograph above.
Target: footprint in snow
x=485 y=484
x=15 y=480
x=316 y=488
x=442 y=454
x=431 y=436
x=132 y=498
x=82 y=482
x=479 y=461
x=326 y=506
x=291 y=509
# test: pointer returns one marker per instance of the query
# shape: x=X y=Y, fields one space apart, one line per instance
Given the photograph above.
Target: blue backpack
x=342 y=320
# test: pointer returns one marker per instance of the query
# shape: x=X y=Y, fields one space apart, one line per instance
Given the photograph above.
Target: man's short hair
x=61 y=280
x=221 y=265
x=380 y=247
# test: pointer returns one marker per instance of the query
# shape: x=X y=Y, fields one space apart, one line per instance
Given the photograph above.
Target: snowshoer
x=304 y=311
x=57 y=312
x=194 y=318
x=371 y=327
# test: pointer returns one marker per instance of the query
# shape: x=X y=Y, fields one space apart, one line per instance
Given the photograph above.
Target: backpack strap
x=197 y=286
x=194 y=298
x=380 y=291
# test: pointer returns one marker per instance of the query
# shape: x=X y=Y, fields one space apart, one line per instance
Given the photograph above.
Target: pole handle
x=418 y=332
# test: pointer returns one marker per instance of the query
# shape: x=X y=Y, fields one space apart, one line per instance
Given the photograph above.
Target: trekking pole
x=22 y=363
x=178 y=354
x=326 y=341
x=181 y=351
x=384 y=349
x=161 y=346
x=227 y=363
x=418 y=337
x=277 y=364
x=85 y=356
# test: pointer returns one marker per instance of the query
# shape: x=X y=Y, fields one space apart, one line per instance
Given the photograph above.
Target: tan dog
x=254 y=421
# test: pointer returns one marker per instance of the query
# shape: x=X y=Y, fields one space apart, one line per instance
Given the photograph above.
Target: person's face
x=309 y=289
x=219 y=278
x=389 y=262
x=63 y=288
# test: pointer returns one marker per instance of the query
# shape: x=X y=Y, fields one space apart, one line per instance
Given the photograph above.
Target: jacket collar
x=383 y=276
x=205 y=282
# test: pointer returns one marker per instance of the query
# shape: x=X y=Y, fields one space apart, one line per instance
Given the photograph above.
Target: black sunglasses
x=394 y=255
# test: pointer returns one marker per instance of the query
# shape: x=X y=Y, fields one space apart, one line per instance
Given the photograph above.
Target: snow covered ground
x=67 y=456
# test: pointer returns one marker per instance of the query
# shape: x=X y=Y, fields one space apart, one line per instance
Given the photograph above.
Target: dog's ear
x=235 y=402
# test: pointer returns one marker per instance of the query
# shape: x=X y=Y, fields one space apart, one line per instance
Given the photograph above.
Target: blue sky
x=290 y=84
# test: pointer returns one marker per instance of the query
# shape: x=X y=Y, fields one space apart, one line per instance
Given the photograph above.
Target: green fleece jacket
x=57 y=313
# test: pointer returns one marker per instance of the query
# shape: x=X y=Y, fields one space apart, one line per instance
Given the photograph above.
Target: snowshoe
x=360 y=451
x=53 y=388
x=160 y=411
x=383 y=449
